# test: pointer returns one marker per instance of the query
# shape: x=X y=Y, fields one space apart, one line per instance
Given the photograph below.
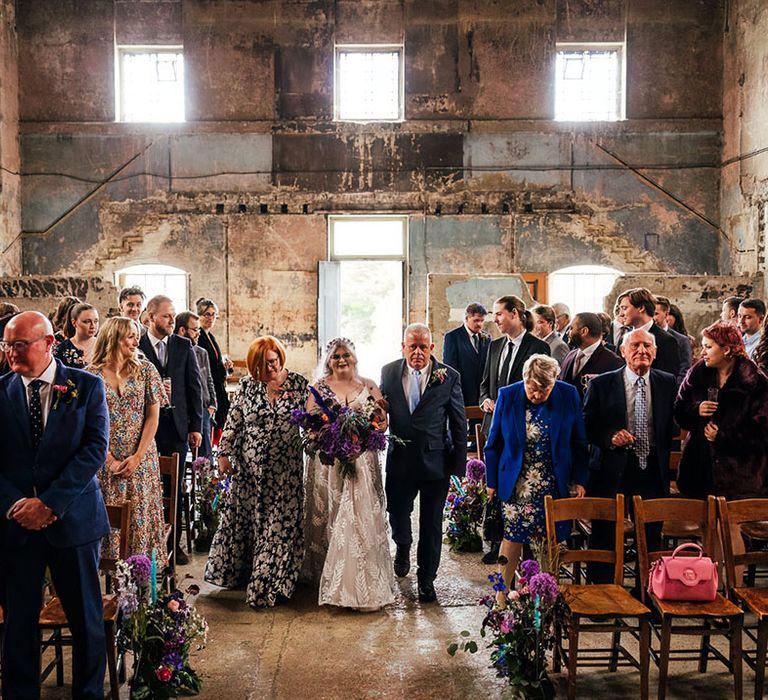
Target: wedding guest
x=637 y=308
x=544 y=329
x=562 y=320
x=131 y=302
x=53 y=515
x=761 y=352
x=60 y=317
x=188 y=326
x=221 y=366
x=676 y=321
x=750 y=321
x=131 y=473
x=723 y=403
x=426 y=410
x=347 y=538
x=8 y=309
x=628 y=417
x=259 y=543
x=465 y=349
x=77 y=350
x=590 y=355
x=4 y=366
x=537 y=447
x=607 y=327
x=730 y=311
x=683 y=344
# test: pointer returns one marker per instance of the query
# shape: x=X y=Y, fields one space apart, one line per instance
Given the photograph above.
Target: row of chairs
x=610 y=608
x=53 y=620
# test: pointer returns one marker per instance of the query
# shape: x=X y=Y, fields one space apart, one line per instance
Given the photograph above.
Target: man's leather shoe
x=402 y=561
x=427 y=592
x=181 y=558
x=492 y=556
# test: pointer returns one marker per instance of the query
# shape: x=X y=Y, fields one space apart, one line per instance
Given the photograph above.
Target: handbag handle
x=689 y=545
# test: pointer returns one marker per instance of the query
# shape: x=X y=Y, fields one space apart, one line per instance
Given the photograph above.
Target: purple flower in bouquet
x=173 y=660
x=376 y=441
x=529 y=568
x=507 y=623
x=141 y=569
x=545 y=587
x=475 y=470
x=200 y=463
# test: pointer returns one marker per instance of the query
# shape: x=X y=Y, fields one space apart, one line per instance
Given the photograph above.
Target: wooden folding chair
x=474 y=413
x=169 y=472
x=53 y=620
x=701 y=514
x=610 y=602
x=734 y=515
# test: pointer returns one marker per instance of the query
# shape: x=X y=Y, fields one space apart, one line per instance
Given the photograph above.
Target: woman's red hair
x=727 y=337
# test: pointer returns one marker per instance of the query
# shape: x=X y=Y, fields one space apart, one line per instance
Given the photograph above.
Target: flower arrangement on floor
x=211 y=491
x=464 y=509
x=522 y=624
x=340 y=434
x=160 y=631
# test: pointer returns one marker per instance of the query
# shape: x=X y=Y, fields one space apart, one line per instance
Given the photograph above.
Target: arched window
x=157 y=279
x=582 y=287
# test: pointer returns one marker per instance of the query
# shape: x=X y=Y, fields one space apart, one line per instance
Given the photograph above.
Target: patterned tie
x=504 y=374
x=414 y=392
x=643 y=439
x=36 y=412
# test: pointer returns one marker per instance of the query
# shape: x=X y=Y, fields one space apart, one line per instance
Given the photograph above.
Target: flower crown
x=334 y=342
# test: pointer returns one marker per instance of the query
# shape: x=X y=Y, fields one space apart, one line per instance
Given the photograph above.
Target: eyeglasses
x=274 y=363
x=18 y=346
x=211 y=314
x=343 y=356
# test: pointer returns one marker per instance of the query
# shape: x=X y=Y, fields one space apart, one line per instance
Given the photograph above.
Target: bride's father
x=426 y=410
x=54 y=429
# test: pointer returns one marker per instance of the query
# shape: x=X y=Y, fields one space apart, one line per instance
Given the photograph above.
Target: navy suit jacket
x=436 y=432
x=62 y=471
x=186 y=388
x=468 y=362
x=605 y=412
x=505 y=448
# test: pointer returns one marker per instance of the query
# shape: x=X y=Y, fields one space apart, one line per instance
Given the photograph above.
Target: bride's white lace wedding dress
x=346 y=531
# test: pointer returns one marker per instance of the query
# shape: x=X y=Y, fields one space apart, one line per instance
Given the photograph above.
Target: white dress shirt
x=423 y=379
x=515 y=347
x=630 y=389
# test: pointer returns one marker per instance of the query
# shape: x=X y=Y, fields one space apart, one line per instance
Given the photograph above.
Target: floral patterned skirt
x=524 y=512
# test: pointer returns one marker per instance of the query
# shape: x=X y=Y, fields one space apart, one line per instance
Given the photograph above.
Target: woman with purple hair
x=347 y=537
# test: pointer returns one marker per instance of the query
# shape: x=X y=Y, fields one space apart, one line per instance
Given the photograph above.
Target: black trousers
x=401 y=495
x=645 y=483
x=167 y=441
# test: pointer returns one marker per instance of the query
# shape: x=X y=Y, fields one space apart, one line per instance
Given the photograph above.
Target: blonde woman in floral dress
x=536 y=447
x=132 y=473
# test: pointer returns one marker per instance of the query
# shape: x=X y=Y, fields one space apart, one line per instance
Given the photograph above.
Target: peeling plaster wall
x=10 y=205
x=744 y=188
x=238 y=194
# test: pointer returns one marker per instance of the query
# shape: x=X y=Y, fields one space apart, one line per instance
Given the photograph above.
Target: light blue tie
x=643 y=444
x=414 y=392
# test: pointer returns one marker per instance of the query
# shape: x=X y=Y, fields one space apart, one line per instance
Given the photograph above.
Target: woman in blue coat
x=536 y=447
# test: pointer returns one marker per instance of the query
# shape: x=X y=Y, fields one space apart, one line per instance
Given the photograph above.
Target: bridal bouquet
x=338 y=434
x=159 y=630
x=464 y=509
x=522 y=629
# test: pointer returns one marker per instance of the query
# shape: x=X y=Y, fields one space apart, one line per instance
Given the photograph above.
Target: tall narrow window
x=150 y=84
x=589 y=82
x=368 y=84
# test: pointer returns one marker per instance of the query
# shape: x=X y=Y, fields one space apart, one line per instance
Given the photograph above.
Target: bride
x=347 y=537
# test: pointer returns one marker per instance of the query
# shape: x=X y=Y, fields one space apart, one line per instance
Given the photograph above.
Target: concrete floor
x=298 y=650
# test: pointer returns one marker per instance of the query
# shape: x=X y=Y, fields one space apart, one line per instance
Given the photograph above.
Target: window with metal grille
x=150 y=84
x=589 y=82
x=368 y=83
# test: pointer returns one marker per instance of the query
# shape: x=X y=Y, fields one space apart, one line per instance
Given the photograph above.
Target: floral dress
x=70 y=355
x=260 y=541
x=144 y=487
x=524 y=512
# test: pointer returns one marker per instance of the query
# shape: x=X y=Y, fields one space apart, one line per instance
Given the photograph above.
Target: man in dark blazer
x=589 y=356
x=180 y=423
x=54 y=431
x=465 y=349
x=628 y=418
x=426 y=410
x=637 y=307
x=507 y=355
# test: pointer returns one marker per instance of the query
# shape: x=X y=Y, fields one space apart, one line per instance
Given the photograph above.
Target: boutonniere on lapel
x=438 y=376
x=65 y=392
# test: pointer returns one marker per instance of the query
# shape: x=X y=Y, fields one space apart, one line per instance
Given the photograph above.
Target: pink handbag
x=691 y=579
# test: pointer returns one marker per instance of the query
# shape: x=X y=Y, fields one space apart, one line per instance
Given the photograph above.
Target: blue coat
x=62 y=471
x=505 y=448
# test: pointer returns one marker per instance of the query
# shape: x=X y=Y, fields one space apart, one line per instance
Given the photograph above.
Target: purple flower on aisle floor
x=174 y=661
x=507 y=624
x=200 y=463
x=141 y=569
x=529 y=568
x=475 y=470
x=545 y=587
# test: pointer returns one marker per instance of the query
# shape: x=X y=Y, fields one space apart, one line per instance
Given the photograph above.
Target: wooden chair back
x=733 y=514
x=686 y=510
x=119 y=519
x=480 y=442
x=474 y=413
x=608 y=509
x=169 y=468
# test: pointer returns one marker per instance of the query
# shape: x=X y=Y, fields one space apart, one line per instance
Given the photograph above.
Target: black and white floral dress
x=260 y=542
